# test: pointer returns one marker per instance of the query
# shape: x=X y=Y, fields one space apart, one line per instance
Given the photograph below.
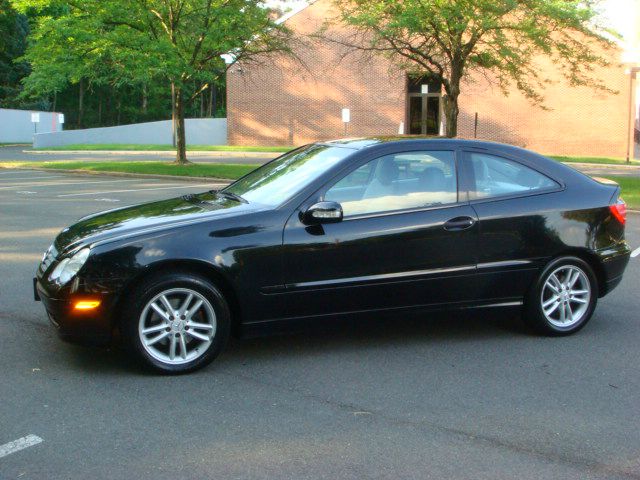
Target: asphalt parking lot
x=445 y=396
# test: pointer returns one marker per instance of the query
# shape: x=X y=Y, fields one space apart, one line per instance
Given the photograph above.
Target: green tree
x=14 y=29
x=449 y=39
x=138 y=42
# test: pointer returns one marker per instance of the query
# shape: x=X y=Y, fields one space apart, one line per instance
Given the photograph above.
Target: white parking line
x=19 y=444
x=21 y=185
x=636 y=252
x=140 y=189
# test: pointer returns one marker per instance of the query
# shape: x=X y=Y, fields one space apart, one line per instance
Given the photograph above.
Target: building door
x=424 y=114
x=425 y=105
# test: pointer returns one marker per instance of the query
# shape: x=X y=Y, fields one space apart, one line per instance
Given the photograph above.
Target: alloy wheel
x=565 y=296
x=177 y=326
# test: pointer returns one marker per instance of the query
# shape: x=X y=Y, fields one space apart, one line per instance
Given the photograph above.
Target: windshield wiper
x=230 y=195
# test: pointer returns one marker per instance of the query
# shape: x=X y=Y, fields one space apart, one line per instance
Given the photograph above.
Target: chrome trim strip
x=505 y=263
x=382 y=276
x=492 y=305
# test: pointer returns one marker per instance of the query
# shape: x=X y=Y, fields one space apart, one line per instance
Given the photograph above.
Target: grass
x=606 y=160
x=630 y=190
x=237 y=148
x=215 y=170
x=164 y=148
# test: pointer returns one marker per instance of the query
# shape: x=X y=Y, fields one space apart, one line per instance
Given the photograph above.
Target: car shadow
x=380 y=332
x=357 y=334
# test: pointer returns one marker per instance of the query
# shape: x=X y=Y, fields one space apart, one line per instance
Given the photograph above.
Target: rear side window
x=494 y=176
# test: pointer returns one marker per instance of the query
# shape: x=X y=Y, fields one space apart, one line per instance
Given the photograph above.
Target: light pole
x=631 y=116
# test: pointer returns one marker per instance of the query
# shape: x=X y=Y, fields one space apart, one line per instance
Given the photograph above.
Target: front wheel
x=176 y=323
x=563 y=298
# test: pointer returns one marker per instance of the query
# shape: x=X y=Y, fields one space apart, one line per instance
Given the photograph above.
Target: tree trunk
x=181 y=137
x=202 y=105
x=214 y=101
x=212 y=91
x=173 y=114
x=100 y=108
x=451 y=115
x=55 y=101
x=80 y=102
x=451 y=109
x=145 y=99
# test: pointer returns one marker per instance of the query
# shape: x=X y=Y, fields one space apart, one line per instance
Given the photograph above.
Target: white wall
x=200 y=131
x=16 y=126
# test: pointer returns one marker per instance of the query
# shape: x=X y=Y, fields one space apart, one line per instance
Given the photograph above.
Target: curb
x=601 y=165
x=132 y=175
x=191 y=153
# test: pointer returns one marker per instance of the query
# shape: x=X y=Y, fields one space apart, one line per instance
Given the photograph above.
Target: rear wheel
x=563 y=298
x=176 y=323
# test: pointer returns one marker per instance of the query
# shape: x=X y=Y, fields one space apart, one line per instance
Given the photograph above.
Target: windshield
x=279 y=180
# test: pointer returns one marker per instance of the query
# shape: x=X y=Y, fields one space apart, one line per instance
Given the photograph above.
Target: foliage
x=503 y=39
x=14 y=29
x=140 y=44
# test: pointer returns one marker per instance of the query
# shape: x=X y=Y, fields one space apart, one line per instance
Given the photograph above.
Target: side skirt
x=295 y=324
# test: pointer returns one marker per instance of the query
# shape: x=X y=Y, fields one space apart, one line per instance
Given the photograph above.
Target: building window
x=423 y=84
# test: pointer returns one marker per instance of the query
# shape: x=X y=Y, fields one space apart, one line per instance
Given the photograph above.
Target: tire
x=175 y=323
x=557 y=305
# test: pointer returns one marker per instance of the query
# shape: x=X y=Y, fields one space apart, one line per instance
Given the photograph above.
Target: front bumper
x=89 y=327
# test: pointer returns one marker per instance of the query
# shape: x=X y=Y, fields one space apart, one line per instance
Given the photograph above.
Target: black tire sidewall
x=533 y=313
x=149 y=288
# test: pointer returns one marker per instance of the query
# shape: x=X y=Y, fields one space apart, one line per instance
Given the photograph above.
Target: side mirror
x=323 y=212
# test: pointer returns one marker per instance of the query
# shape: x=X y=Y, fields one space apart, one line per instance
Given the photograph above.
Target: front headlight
x=68 y=267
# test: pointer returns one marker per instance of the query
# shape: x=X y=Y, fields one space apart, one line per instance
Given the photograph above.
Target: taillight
x=619 y=211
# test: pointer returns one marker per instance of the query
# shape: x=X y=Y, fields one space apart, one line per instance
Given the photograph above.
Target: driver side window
x=397 y=182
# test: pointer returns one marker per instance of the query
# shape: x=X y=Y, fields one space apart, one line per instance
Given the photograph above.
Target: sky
x=624 y=17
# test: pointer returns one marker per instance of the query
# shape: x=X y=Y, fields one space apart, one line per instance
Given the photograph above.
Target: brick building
x=291 y=102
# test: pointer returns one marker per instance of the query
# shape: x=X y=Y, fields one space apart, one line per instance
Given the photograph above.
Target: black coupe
x=338 y=228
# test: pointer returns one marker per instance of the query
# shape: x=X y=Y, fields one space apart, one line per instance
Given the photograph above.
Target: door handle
x=459 y=223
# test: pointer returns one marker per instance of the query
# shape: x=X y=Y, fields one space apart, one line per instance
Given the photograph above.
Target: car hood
x=136 y=219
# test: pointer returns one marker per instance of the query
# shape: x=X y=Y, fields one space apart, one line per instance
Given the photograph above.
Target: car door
x=516 y=206
x=406 y=239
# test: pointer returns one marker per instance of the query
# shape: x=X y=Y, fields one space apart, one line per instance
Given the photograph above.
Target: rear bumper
x=614 y=263
x=87 y=327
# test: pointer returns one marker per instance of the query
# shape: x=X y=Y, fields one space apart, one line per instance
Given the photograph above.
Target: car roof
x=368 y=142
x=546 y=165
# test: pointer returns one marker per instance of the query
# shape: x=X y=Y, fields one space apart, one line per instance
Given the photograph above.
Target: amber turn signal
x=86 y=304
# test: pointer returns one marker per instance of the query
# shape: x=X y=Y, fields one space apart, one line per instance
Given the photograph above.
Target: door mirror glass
x=323 y=212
